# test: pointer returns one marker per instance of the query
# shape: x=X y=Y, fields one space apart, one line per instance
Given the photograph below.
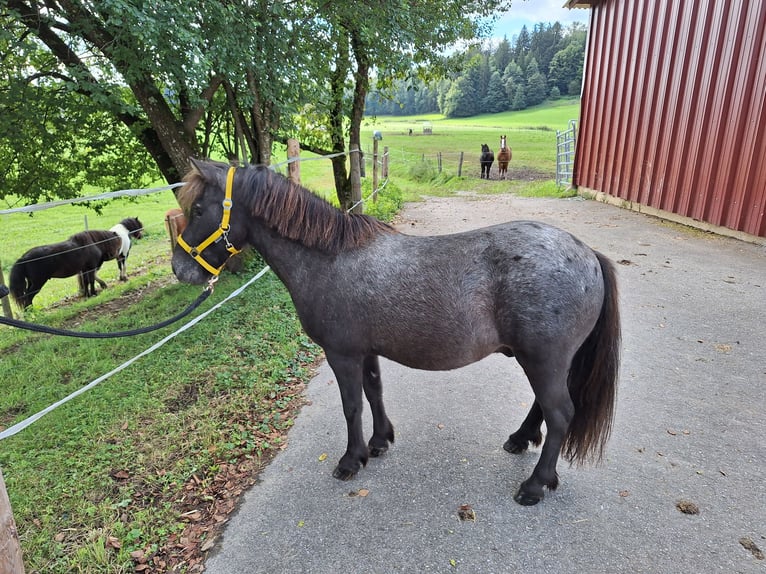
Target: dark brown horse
x=503 y=157
x=485 y=160
x=82 y=255
x=524 y=289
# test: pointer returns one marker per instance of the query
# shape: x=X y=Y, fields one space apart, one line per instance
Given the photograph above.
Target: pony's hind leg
x=529 y=432
x=549 y=383
x=348 y=373
x=382 y=429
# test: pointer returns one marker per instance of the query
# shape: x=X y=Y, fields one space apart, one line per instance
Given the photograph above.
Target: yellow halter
x=222 y=231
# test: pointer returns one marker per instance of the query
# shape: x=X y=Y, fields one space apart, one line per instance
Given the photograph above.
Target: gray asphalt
x=690 y=427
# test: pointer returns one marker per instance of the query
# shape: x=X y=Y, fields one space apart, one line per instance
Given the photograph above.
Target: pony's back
x=107 y=242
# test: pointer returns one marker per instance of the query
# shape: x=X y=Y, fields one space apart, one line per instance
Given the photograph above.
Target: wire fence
x=20 y=426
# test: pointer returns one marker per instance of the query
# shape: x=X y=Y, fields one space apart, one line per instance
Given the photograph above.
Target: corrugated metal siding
x=673 y=108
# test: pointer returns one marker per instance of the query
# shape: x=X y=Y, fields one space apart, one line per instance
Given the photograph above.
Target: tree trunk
x=361 y=81
x=337 y=117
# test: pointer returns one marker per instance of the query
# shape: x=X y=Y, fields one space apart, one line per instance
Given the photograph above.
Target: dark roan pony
x=485 y=160
x=363 y=290
x=82 y=255
x=503 y=157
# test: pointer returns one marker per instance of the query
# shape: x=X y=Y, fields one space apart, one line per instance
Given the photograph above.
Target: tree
x=496 y=100
x=519 y=99
x=537 y=87
x=567 y=67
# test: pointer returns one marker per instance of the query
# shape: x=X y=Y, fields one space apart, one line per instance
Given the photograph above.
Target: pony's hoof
x=376 y=451
x=343 y=473
x=526 y=498
x=515 y=447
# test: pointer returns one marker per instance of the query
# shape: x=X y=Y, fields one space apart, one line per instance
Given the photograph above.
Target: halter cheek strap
x=221 y=232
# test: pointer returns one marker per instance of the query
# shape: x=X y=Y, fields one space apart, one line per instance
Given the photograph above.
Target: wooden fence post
x=460 y=165
x=6 y=300
x=385 y=162
x=10 y=549
x=375 y=170
x=294 y=167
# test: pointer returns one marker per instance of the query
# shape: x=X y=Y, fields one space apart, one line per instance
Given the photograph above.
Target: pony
x=486 y=159
x=82 y=254
x=127 y=229
x=522 y=288
x=503 y=157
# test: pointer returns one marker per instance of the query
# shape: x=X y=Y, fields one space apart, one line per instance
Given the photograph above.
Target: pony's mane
x=291 y=210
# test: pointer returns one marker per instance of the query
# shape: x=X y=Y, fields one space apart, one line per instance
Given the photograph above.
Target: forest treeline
x=545 y=63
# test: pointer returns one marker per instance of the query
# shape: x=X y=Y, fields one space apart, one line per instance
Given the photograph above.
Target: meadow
x=140 y=470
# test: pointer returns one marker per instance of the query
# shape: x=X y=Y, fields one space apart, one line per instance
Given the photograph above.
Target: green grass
x=116 y=470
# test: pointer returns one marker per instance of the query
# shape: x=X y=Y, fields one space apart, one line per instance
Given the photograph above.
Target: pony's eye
x=196 y=210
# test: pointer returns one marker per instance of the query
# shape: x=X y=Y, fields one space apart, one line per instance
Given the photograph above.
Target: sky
x=531 y=12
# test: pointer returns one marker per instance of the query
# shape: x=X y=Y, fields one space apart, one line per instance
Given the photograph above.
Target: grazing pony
x=486 y=159
x=82 y=255
x=524 y=289
x=503 y=157
x=127 y=229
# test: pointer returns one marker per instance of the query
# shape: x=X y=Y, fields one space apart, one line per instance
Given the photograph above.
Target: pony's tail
x=17 y=283
x=593 y=378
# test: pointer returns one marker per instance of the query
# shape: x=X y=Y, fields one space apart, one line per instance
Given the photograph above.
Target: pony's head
x=215 y=227
x=134 y=226
x=484 y=147
x=503 y=143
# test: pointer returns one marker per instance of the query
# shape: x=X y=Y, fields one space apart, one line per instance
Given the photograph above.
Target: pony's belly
x=437 y=357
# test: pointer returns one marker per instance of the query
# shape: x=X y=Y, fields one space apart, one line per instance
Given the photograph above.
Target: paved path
x=690 y=426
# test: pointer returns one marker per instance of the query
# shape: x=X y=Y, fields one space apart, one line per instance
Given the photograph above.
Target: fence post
x=439 y=161
x=10 y=549
x=294 y=167
x=374 y=170
x=385 y=162
x=460 y=165
x=6 y=300
x=357 y=163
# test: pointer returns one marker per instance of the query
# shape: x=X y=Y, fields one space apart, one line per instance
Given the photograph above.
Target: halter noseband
x=222 y=231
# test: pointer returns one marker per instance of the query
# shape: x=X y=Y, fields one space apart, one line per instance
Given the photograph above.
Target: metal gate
x=565 y=151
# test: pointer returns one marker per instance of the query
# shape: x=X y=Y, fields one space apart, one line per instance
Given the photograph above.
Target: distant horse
x=524 y=289
x=127 y=229
x=503 y=157
x=82 y=255
x=486 y=159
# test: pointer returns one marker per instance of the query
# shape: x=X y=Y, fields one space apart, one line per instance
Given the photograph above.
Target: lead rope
x=206 y=292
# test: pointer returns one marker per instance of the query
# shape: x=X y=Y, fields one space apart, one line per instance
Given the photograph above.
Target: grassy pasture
x=110 y=480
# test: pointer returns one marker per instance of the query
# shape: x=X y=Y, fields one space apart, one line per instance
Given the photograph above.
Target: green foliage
x=512 y=76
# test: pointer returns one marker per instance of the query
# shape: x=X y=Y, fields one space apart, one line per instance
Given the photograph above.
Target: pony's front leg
x=348 y=373
x=382 y=429
x=122 y=267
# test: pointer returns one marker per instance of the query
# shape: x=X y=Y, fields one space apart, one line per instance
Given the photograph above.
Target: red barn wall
x=672 y=110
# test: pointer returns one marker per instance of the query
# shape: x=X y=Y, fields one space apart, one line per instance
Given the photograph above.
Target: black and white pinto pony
x=524 y=289
x=126 y=229
x=485 y=160
x=82 y=254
